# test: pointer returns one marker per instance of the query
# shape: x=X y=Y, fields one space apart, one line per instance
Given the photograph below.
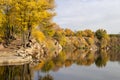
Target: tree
x=102 y=59
x=47 y=66
x=2 y=19
x=103 y=37
x=69 y=32
x=79 y=33
x=89 y=33
x=101 y=33
x=25 y=15
x=6 y=10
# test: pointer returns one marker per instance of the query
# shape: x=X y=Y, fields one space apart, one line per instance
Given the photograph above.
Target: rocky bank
x=33 y=53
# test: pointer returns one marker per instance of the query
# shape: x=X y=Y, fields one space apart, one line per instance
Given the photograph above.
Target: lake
x=69 y=65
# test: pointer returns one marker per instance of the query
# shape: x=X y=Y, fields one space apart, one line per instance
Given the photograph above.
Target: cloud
x=89 y=14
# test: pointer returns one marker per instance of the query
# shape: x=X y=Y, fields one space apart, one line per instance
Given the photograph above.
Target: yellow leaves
x=32 y=11
x=4 y=2
x=43 y=15
x=38 y=35
x=26 y=13
x=43 y=4
x=31 y=5
x=2 y=19
x=17 y=7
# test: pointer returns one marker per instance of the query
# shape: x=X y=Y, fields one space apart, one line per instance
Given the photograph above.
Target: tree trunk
x=29 y=32
x=7 y=35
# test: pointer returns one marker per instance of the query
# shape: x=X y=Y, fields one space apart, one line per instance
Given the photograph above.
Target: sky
x=88 y=14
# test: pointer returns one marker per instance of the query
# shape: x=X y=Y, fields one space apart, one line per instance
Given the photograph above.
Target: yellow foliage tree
x=25 y=15
x=32 y=13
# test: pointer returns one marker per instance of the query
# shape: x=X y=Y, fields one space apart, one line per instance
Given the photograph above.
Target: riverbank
x=10 y=58
x=34 y=53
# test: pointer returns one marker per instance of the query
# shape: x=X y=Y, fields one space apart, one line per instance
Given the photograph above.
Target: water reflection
x=21 y=72
x=66 y=59
x=78 y=58
x=102 y=59
x=75 y=62
x=46 y=77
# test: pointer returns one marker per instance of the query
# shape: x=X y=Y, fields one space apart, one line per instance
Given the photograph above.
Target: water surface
x=77 y=65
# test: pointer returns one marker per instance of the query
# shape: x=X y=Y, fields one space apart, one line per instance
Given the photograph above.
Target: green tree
x=102 y=59
x=101 y=33
x=103 y=37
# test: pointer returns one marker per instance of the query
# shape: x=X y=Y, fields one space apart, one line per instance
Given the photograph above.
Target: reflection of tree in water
x=64 y=59
x=15 y=72
x=47 y=66
x=114 y=50
x=114 y=54
x=68 y=63
x=60 y=59
x=102 y=59
x=86 y=59
x=46 y=77
x=79 y=57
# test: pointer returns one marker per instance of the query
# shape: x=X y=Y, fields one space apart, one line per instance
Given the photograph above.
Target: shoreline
x=9 y=58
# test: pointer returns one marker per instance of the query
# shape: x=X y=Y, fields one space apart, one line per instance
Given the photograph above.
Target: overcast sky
x=88 y=14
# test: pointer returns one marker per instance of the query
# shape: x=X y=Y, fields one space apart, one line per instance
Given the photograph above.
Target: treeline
x=78 y=39
x=114 y=45
x=79 y=57
x=114 y=41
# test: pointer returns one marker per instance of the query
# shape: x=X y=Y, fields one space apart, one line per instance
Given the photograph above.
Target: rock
x=29 y=58
x=1 y=46
x=59 y=48
x=91 y=49
x=22 y=54
x=36 y=51
x=29 y=51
